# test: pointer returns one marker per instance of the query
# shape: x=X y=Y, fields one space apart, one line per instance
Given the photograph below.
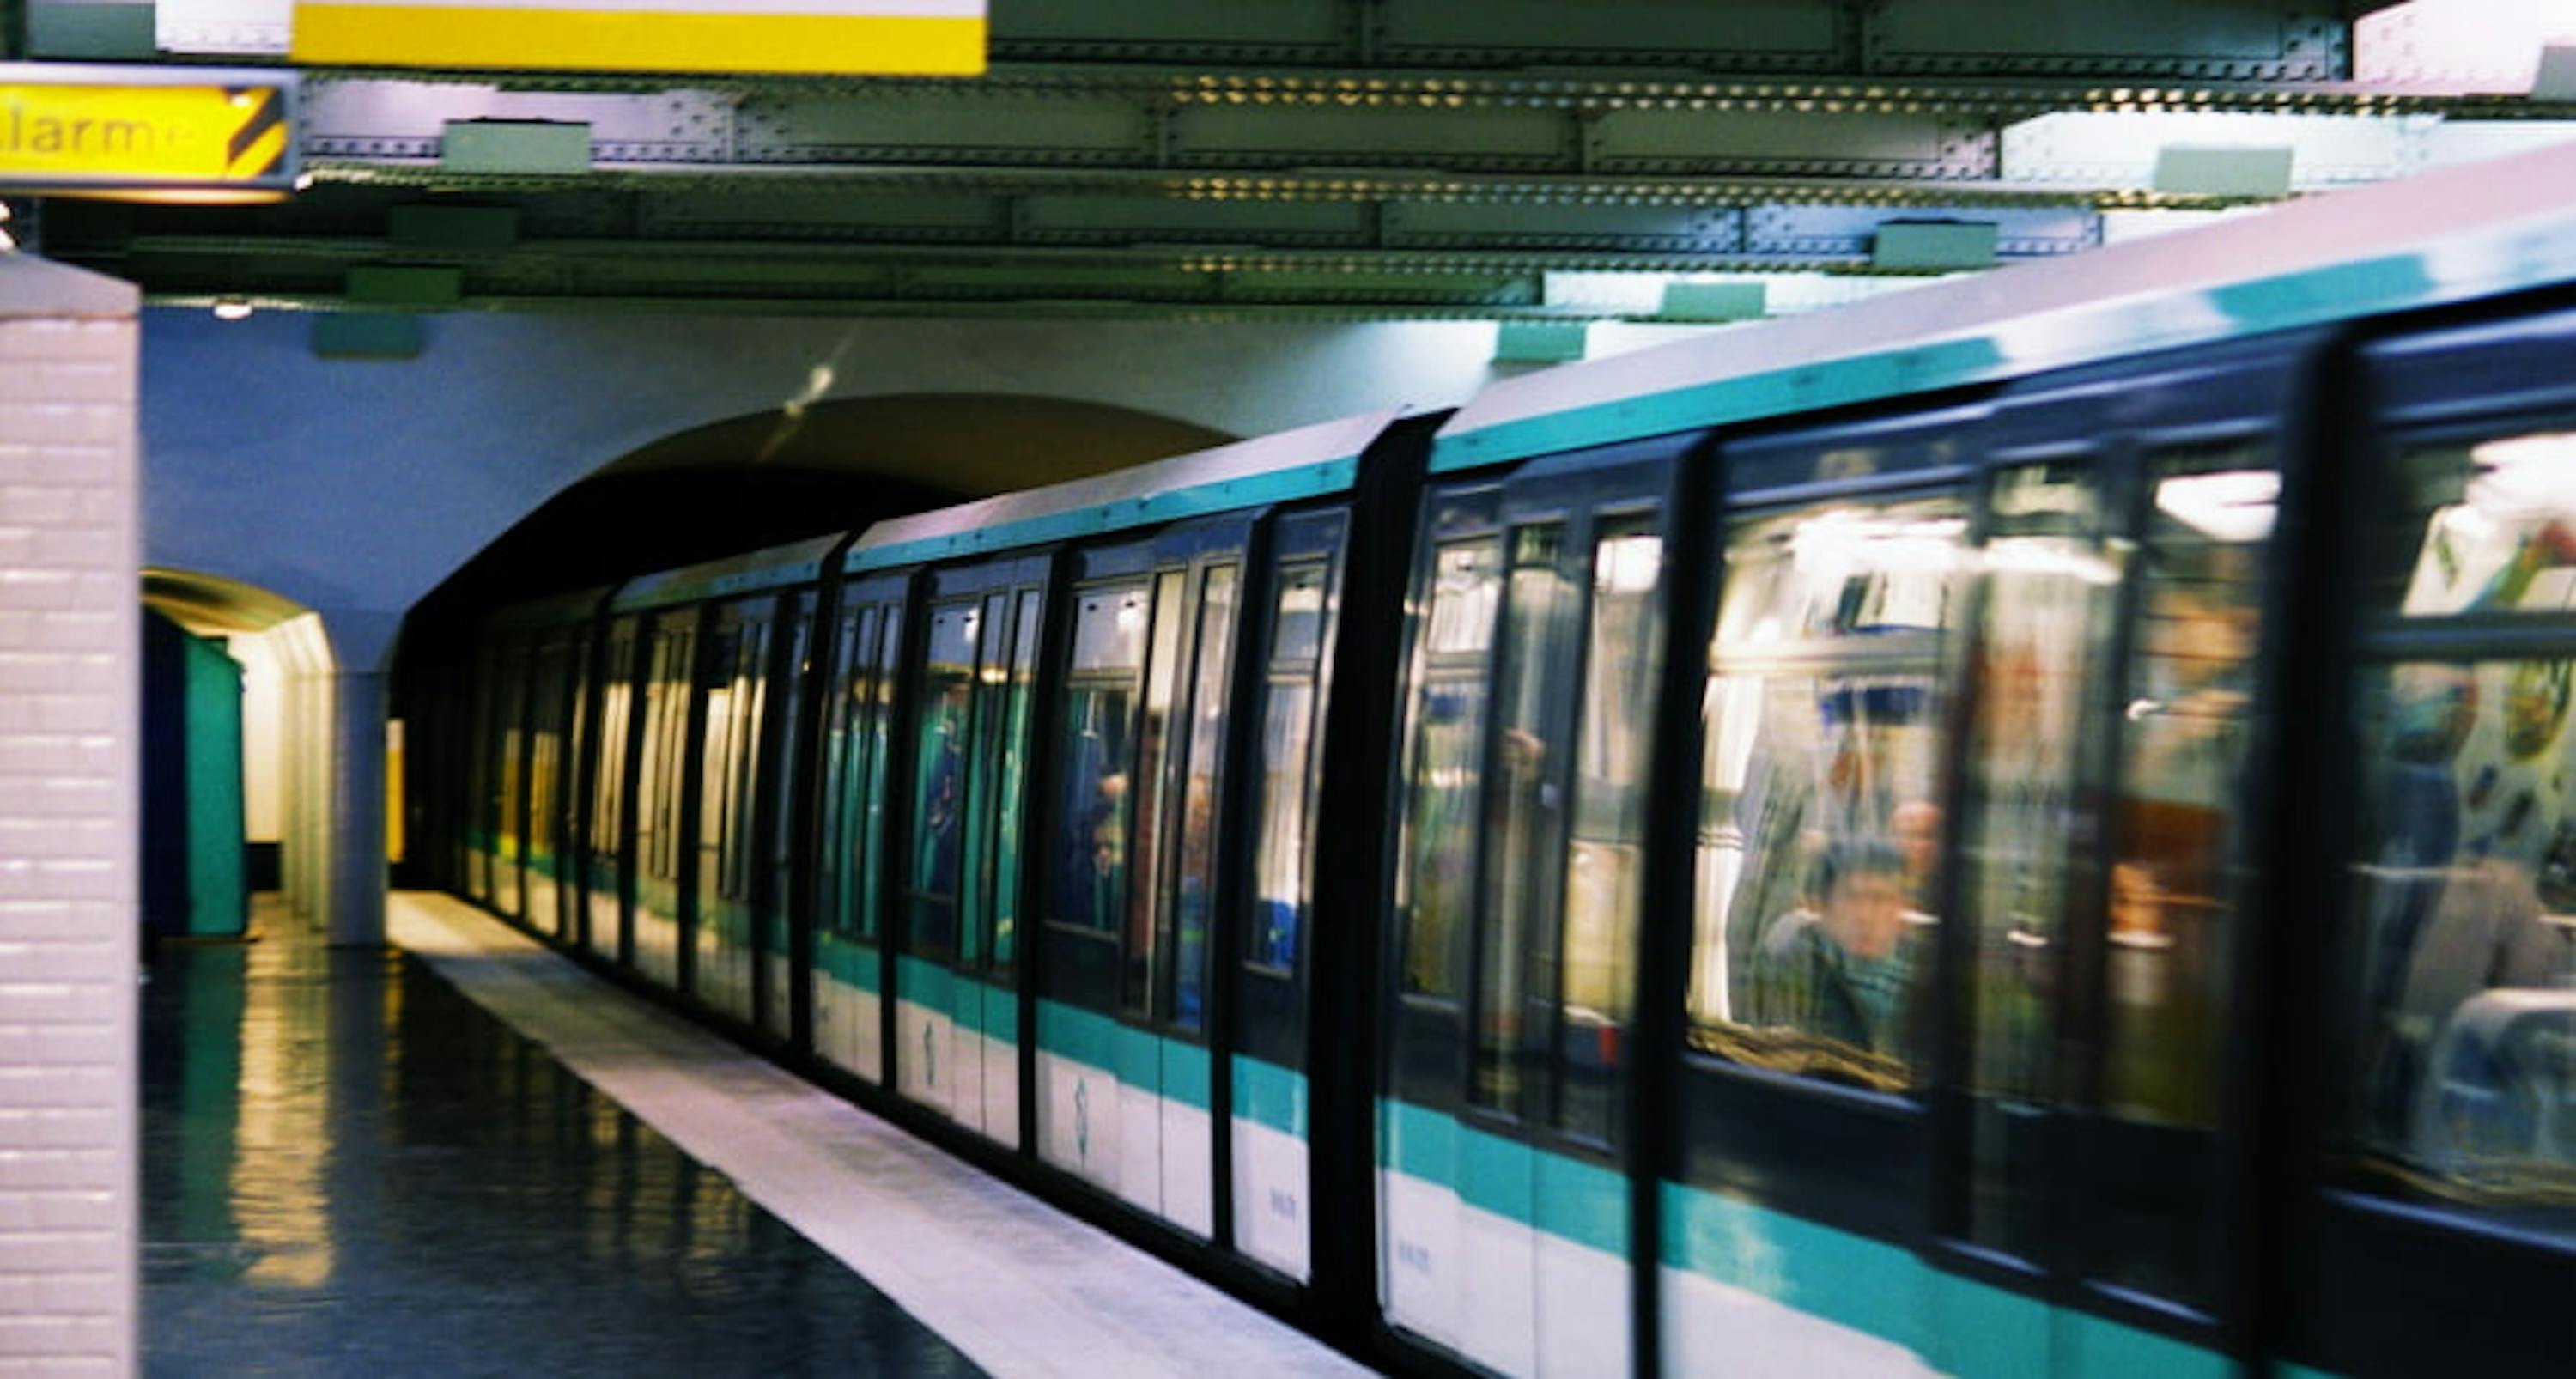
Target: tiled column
x=70 y=672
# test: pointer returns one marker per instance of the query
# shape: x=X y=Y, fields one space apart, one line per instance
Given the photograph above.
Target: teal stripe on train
x=1267 y=1094
x=1563 y=1196
x=1138 y=1058
x=1959 y=1325
x=967 y=1002
x=2315 y=296
x=850 y=964
x=925 y=984
x=1256 y=490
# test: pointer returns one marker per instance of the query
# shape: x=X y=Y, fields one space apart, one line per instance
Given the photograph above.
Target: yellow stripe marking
x=592 y=40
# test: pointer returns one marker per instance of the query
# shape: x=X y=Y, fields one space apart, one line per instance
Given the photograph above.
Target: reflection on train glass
x=1822 y=772
x=2464 y=897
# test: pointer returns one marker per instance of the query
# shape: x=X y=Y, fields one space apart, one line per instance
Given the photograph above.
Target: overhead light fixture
x=2122 y=148
x=1538 y=342
x=2232 y=505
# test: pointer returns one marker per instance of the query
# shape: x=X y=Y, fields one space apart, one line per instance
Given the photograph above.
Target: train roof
x=1303 y=463
x=576 y=605
x=776 y=567
x=2447 y=236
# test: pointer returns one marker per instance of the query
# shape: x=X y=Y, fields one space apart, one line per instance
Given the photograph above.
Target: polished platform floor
x=468 y=1156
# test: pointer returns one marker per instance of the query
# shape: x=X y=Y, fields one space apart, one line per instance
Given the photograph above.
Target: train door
x=2427 y=981
x=2106 y=845
x=1801 y=1149
x=1125 y=1084
x=656 y=944
x=573 y=773
x=1505 y=1225
x=607 y=878
x=956 y=1038
x=733 y=689
x=1273 y=946
x=509 y=779
x=847 y=974
x=482 y=820
x=779 y=844
x=548 y=694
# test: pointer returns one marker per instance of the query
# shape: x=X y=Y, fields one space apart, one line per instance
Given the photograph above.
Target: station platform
x=463 y=1154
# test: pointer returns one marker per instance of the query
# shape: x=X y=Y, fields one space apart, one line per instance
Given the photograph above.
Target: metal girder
x=2253 y=40
x=1400 y=156
x=2303 y=40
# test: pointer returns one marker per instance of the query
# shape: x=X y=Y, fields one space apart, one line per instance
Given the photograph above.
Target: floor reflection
x=350 y=1168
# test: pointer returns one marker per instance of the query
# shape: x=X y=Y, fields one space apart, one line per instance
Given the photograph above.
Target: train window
x=1298 y=627
x=2463 y=1076
x=2484 y=525
x=2049 y=584
x=888 y=643
x=736 y=695
x=483 y=823
x=657 y=782
x=2184 y=734
x=781 y=764
x=844 y=774
x=992 y=681
x=603 y=878
x=718 y=785
x=1096 y=758
x=939 y=777
x=545 y=774
x=1194 y=896
x=1290 y=774
x=510 y=793
x=1109 y=630
x=1522 y=817
x=1145 y=910
x=616 y=698
x=1605 y=862
x=1445 y=765
x=2463 y=913
x=1015 y=774
x=1820 y=820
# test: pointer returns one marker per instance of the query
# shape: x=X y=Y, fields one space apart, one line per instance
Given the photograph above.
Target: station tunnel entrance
x=231 y=752
x=802 y=470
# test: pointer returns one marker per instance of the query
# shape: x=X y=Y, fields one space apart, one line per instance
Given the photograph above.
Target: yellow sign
x=808 y=37
x=80 y=128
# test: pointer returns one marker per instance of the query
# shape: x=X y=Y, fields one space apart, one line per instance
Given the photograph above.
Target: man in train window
x=1842 y=967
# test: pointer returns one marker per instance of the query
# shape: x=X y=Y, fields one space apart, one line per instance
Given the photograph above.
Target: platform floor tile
x=348 y=1168
x=1018 y=1287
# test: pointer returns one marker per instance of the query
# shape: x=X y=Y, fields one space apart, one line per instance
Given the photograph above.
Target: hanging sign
x=186 y=130
x=804 y=37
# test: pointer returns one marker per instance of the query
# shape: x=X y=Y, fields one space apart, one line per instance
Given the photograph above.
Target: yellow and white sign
x=69 y=127
x=804 y=37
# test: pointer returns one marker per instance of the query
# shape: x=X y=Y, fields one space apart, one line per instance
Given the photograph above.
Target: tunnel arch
x=290 y=671
x=788 y=473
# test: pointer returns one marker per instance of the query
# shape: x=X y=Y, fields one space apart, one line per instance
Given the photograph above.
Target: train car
x=2014 y=831
x=2023 y=829
x=970 y=811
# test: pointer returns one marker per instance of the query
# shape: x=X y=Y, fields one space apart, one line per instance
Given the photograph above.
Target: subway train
x=2023 y=829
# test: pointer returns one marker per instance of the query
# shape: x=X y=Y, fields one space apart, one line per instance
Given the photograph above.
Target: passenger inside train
x=2468 y=991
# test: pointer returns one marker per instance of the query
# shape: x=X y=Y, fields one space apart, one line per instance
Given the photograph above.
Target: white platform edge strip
x=1018 y=1287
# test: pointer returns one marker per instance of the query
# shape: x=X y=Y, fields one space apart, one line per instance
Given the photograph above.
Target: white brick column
x=70 y=914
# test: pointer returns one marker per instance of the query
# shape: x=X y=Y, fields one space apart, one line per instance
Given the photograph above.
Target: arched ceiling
x=205 y=603
x=965 y=445
x=791 y=473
